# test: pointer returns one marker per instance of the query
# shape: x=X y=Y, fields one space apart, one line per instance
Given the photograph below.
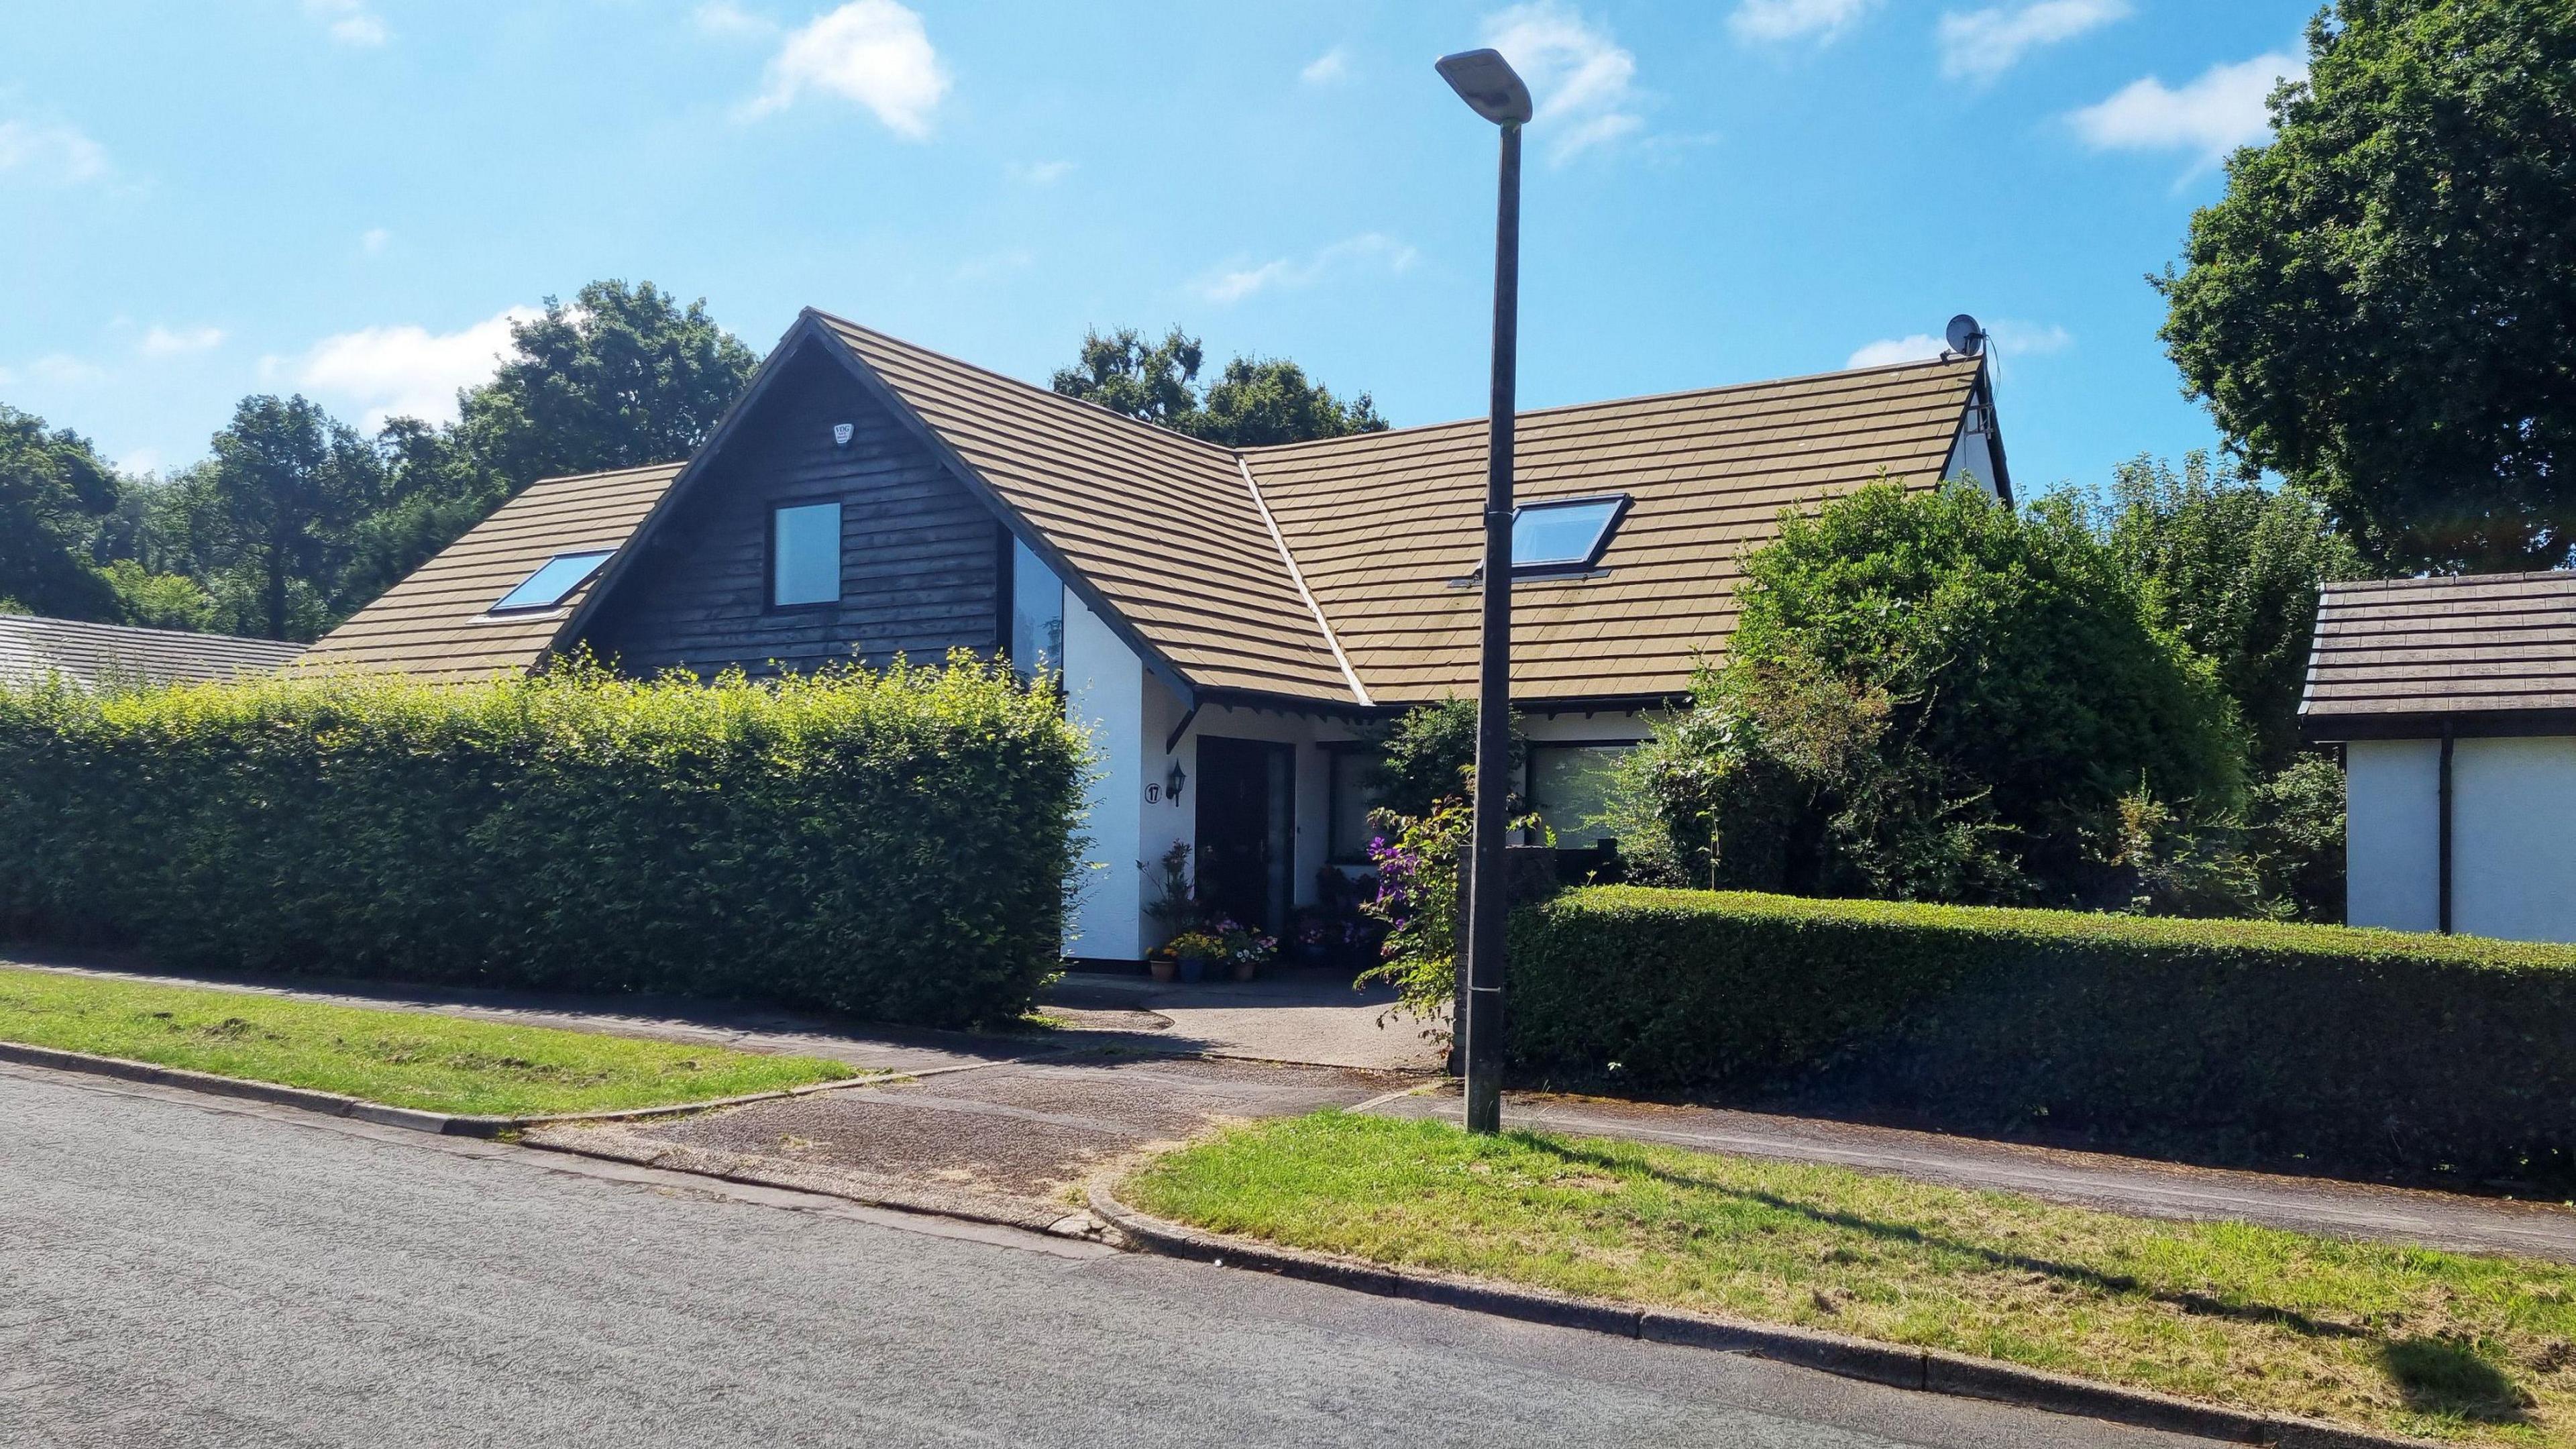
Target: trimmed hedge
x=895 y=845
x=2241 y=1039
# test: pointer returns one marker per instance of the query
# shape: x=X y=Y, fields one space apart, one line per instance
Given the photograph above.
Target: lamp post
x=1489 y=86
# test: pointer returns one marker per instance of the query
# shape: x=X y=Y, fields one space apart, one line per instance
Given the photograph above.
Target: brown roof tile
x=89 y=655
x=2481 y=644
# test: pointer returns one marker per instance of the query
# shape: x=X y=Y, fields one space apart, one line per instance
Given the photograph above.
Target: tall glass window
x=1037 y=612
x=804 y=555
x=1569 y=788
x=1352 y=794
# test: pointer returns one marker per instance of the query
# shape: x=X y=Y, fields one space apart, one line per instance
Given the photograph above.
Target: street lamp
x=1489 y=86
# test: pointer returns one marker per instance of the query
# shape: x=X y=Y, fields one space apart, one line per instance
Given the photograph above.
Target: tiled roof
x=1385 y=525
x=1162 y=525
x=89 y=655
x=2392 y=650
x=436 y=624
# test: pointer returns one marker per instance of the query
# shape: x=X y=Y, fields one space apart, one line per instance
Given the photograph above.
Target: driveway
x=186 y=1272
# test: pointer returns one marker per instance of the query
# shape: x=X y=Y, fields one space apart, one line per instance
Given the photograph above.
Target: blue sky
x=346 y=197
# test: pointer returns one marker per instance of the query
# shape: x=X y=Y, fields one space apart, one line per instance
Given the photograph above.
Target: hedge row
x=2243 y=1039
x=895 y=845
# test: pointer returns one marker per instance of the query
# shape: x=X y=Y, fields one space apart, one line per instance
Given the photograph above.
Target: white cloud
x=140 y=460
x=1896 y=349
x=51 y=153
x=2217 y=113
x=1366 y=249
x=873 y=52
x=1983 y=44
x=1779 y=20
x=404 y=371
x=1038 y=173
x=162 y=341
x=1332 y=65
x=62 y=367
x=374 y=240
x=350 y=22
x=719 y=18
x=1581 y=81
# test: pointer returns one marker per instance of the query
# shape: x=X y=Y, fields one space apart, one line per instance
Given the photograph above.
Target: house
x=1227 y=621
x=2454 y=700
x=34 y=649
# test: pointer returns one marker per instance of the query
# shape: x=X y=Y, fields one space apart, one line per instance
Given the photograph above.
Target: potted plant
x=1161 y=964
x=1243 y=949
x=1192 y=950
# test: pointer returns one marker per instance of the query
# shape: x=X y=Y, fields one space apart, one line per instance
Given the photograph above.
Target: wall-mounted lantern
x=1173 y=781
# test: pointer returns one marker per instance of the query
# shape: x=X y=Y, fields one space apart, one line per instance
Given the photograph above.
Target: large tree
x=2383 y=306
x=619 y=377
x=1255 y=401
x=55 y=492
x=273 y=511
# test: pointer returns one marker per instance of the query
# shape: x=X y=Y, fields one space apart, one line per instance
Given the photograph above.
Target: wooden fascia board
x=1074 y=579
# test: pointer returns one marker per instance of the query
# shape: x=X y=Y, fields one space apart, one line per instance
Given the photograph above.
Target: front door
x=1247 y=822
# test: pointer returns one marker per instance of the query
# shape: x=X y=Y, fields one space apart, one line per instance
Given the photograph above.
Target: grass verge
x=2446 y=1345
x=400 y=1058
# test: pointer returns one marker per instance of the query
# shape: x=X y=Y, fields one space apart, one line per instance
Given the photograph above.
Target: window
x=1569 y=788
x=557 y=577
x=804 y=555
x=1037 y=612
x=1351 y=776
x=1569 y=534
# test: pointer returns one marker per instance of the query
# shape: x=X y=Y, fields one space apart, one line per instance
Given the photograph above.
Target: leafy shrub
x=895 y=845
x=1428 y=754
x=2374 y=1049
x=1932 y=696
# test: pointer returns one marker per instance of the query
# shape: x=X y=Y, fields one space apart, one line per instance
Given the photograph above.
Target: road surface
x=177 y=1270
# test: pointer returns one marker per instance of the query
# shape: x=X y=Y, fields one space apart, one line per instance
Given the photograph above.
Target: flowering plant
x=1417 y=898
x=1239 y=943
x=1205 y=945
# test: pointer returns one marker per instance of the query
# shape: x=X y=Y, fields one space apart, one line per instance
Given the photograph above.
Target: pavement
x=186 y=1271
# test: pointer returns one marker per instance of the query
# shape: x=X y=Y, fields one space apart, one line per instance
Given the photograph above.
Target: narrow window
x=804 y=555
x=1351 y=795
x=1569 y=534
x=552 y=581
x=1037 y=612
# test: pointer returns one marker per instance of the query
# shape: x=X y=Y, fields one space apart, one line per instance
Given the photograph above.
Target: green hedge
x=895 y=845
x=2352 y=1048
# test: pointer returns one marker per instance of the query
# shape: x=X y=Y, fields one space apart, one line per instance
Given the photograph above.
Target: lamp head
x=1488 y=84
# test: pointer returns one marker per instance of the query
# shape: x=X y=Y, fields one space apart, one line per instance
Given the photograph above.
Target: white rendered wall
x=1105 y=688
x=2392 y=834
x=1972 y=457
x=2513 y=838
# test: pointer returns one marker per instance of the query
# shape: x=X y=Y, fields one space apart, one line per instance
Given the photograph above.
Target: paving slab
x=2137 y=1186
x=1311 y=1015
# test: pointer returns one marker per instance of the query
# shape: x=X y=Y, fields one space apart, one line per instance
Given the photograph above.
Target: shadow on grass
x=2198 y=1304
x=2444 y=1376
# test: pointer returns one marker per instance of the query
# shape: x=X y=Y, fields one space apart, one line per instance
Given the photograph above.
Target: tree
x=2383 y=306
x=274 y=509
x=1932 y=696
x=1254 y=402
x=2235 y=567
x=620 y=377
x=1428 y=754
x=54 y=492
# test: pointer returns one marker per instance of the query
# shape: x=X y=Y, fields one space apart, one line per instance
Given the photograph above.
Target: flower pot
x=1243 y=970
x=1314 y=951
x=1193 y=967
x=1161 y=966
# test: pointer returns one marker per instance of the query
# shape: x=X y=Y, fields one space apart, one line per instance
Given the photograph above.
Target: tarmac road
x=183 y=1271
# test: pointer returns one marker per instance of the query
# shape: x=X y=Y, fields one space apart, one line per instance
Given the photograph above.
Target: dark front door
x=1247 y=823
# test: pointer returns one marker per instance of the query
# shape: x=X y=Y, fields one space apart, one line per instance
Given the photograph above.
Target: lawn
x=2447 y=1345
x=401 y=1058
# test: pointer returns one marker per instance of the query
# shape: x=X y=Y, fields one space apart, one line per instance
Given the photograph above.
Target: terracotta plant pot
x=1161 y=966
x=1243 y=970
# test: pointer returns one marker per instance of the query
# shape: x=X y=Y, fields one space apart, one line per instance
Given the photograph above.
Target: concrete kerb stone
x=1925 y=1370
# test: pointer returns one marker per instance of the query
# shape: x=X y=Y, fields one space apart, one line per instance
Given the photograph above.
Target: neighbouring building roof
x=1324 y=573
x=436 y=624
x=92 y=655
x=2485 y=653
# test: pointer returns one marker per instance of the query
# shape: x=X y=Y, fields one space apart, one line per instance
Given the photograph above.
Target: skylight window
x=1566 y=534
x=558 y=577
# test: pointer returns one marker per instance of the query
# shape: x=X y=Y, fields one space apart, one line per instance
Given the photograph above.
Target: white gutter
x=1297 y=576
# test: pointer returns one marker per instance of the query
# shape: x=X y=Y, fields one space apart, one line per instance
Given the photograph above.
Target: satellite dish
x=1966 y=338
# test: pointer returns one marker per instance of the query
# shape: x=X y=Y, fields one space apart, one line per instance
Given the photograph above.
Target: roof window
x=558 y=577
x=1564 y=534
